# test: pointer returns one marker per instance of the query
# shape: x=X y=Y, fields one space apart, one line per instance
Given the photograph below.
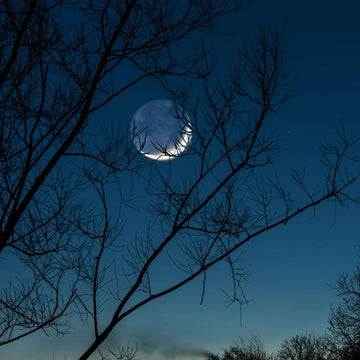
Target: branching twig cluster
x=59 y=176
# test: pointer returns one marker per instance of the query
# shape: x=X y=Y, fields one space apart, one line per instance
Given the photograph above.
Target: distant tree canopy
x=344 y=318
x=342 y=342
x=303 y=347
x=253 y=349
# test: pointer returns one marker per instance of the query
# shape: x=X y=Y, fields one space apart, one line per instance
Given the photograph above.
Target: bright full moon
x=161 y=130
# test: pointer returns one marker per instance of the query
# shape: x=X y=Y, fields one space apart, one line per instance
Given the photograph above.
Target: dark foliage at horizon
x=342 y=342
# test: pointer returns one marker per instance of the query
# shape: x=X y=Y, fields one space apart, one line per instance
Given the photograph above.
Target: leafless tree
x=253 y=349
x=303 y=347
x=344 y=319
x=59 y=177
x=55 y=73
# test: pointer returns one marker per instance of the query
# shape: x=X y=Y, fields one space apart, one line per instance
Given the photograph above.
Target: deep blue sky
x=290 y=268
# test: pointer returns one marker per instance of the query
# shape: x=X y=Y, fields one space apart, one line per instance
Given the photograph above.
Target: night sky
x=289 y=269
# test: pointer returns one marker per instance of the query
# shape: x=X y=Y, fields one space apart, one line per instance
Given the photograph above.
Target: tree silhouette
x=54 y=74
x=253 y=349
x=303 y=347
x=344 y=319
x=59 y=175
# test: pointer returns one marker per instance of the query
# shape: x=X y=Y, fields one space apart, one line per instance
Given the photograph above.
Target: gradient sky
x=290 y=268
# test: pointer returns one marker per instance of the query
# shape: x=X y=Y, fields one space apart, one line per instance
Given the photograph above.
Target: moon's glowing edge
x=177 y=150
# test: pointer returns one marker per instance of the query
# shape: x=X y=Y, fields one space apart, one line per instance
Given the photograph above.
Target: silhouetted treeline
x=341 y=342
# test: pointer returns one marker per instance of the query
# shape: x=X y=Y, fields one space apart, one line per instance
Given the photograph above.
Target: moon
x=161 y=130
